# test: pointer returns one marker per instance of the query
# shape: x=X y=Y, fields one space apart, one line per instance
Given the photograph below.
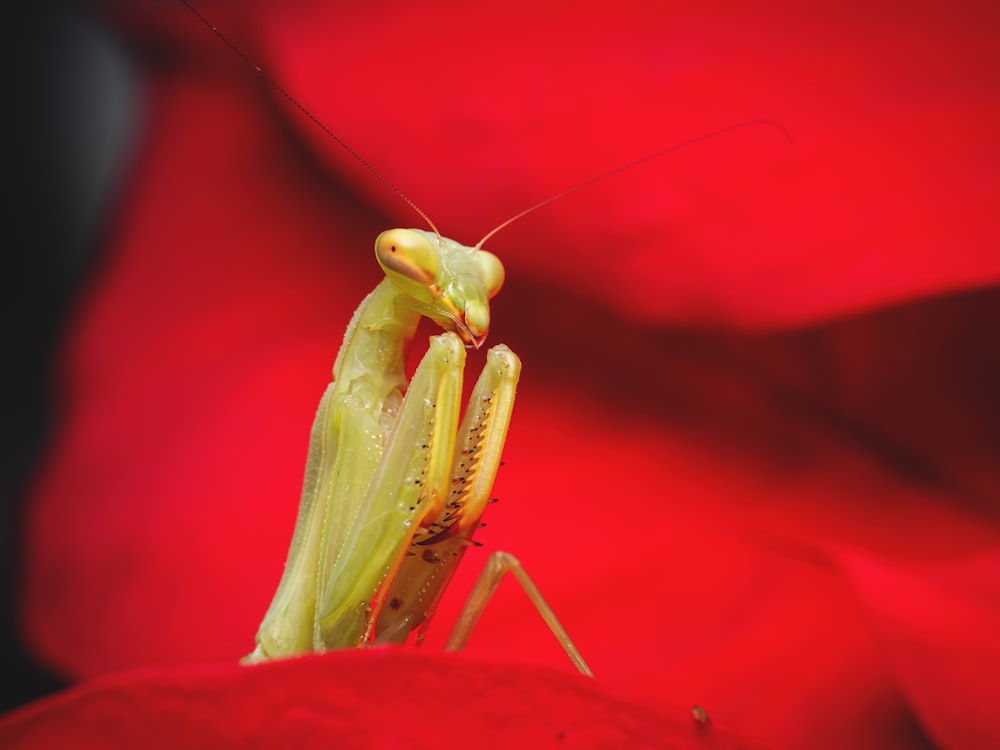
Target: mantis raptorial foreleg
x=411 y=596
x=394 y=485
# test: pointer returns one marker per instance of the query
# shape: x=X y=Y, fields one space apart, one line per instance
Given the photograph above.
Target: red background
x=754 y=463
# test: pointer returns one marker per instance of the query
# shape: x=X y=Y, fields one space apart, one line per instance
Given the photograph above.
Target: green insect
x=395 y=482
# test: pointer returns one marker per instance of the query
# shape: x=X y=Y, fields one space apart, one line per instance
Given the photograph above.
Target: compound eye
x=409 y=254
x=492 y=270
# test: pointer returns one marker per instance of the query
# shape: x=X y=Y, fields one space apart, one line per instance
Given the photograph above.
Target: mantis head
x=449 y=283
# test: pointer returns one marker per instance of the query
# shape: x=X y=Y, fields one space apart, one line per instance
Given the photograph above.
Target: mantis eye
x=493 y=273
x=408 y=254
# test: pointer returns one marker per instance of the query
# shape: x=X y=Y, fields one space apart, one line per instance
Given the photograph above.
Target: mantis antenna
x=521 y=214
x=642 y=160
x=302 y=108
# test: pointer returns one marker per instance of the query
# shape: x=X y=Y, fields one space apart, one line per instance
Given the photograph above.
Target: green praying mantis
x=395 y=483
x=397 y=478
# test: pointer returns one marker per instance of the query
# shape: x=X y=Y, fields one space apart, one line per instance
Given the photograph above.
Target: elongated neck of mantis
x=375 y=343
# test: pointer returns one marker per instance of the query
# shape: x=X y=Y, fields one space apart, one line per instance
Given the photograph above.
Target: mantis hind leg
x=497 y=566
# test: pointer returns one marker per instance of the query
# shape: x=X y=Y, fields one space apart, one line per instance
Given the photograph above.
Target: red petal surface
x=378 y=699
x=754 y=460
x=924 y=612
x=888 y=193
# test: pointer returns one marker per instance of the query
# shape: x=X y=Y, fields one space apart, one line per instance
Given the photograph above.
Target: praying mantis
x=397 y=478
x=395 y=486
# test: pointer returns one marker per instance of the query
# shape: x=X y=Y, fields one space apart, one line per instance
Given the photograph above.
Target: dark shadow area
x=71 y=113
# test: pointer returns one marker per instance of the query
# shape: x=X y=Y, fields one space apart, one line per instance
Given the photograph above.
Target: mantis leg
x=406 y=489
x=412 y=596
x=497 y=566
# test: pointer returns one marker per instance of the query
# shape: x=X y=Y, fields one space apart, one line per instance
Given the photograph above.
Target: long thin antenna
x=649 y=157
x=301 y=107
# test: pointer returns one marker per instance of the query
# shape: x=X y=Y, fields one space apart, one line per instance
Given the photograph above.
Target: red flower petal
x=379 y=699
x=887 y=194
x=682 y=496
x=923 y=614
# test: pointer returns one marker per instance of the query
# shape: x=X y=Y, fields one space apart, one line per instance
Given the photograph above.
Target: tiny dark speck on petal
x=700 y=717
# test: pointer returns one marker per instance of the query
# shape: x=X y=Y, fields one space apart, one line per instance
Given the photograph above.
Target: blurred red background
x=754 y=462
